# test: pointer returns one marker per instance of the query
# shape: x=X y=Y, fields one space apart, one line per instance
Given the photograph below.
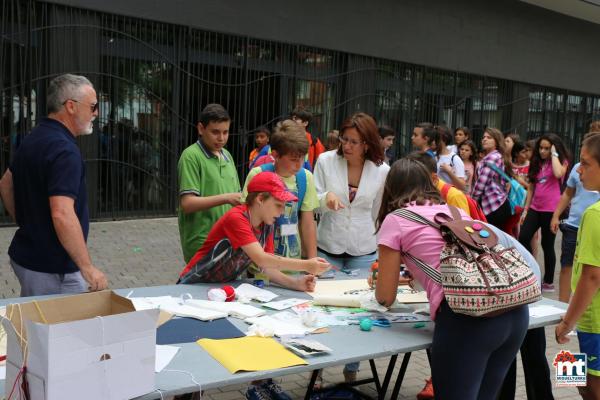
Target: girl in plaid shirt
x=490 y=189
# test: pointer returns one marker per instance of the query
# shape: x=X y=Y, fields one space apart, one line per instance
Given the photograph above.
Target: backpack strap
x=301 y=181
x=497 y=170
x=306 y=164
x=413 y=216
x=427 y=269
x=270 y=167
x=301 y=184
x=452 y=160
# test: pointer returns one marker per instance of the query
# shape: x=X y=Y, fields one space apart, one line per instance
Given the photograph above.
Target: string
x=15 y=385
x=37 y=306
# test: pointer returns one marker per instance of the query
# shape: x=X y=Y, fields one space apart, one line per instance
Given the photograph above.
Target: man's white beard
x=89 y=130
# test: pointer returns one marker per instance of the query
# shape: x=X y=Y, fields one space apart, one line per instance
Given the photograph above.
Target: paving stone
x=232 y=395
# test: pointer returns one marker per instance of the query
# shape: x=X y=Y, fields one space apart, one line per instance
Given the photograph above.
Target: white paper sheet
x=234 y=309
x=252 y=292
x=283 y=323
x=339 y=293
x=283 y=304
x=177 y=306
x=545 y=311
x=149 y=303
x=164 y=355
x=201 y=314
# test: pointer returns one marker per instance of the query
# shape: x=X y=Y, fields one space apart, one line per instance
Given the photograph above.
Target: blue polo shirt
x=48 y=163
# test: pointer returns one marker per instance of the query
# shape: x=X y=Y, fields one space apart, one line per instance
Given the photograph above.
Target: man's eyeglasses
x=351 y=142
x=93 y=107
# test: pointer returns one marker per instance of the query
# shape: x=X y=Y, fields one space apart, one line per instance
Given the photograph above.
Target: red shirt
x=221 y=258
x=521 y=171
x=314 y=150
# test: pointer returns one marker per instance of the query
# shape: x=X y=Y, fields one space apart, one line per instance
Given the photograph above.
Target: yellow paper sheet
x=250 y=353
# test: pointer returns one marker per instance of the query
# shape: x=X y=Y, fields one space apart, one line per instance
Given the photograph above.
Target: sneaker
x=427 y=392
x=547 y=287
x=275 y=391
x=257 y=393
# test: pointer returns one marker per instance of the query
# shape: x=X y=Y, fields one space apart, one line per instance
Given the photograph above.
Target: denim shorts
x=568 y=244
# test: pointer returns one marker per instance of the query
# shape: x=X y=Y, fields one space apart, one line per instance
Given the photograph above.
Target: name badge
x=289 y=229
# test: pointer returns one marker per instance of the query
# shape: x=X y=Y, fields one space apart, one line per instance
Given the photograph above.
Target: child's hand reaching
x=306 y=283
x=317 y=266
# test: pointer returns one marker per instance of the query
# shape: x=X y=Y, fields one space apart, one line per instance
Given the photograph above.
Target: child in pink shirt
x=547 y=168
x=455 y=338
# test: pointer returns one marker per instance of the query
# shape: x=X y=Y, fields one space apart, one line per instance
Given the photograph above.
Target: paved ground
x=147 y=253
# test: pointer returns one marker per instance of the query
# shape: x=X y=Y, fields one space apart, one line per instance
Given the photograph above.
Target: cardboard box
x=88 y=346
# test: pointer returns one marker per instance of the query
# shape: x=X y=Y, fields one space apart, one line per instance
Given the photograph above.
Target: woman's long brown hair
x=408 y=182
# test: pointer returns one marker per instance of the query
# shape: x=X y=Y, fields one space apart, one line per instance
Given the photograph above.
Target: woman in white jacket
x=349 y=182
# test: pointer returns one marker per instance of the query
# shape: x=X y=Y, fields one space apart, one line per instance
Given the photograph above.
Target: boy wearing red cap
x=244 y=234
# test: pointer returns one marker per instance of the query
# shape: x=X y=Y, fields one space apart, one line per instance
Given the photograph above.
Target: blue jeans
x=470 y=356
x=350 y=263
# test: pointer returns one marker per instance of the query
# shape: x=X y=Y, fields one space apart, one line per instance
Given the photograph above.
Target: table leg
x=311 y=384
x=401 y=374
x=388 y=376
x=375 y=375
x=428 y=350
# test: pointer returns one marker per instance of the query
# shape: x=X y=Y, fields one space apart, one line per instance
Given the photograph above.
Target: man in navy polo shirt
x=44 y=191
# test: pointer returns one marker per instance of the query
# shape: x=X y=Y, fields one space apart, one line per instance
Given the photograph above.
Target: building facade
x=505 y=64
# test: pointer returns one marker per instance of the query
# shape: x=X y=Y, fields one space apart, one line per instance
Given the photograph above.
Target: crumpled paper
x=260 y=331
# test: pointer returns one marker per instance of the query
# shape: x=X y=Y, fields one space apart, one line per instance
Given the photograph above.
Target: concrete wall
x=503 y=38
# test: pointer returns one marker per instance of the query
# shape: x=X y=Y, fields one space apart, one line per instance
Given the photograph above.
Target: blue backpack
x=517 y=193
x=291 y=243
x=300 y=181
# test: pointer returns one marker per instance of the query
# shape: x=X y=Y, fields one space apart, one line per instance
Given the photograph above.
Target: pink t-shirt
x=469 y=173
x=422 y=242
x=546 y=193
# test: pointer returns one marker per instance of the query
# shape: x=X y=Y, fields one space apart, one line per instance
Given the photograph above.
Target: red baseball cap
x=270 y=182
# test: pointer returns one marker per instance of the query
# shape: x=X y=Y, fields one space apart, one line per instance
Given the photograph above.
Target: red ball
x=230 y=292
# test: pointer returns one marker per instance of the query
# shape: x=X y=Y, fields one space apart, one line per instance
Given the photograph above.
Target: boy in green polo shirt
x=208 y=181
x=584 y=308
x=295 y=231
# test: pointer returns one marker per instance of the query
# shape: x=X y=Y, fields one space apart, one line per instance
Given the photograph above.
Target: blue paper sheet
x=189 y=330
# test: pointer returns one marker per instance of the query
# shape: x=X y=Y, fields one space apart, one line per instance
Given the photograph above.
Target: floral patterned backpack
x=478 y=275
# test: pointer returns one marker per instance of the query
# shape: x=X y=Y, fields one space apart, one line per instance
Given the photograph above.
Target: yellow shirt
x=455 y=197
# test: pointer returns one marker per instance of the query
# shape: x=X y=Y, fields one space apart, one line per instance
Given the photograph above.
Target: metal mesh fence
x=153 y=79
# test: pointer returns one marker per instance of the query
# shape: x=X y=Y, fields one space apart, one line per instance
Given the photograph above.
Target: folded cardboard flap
x=72 y=308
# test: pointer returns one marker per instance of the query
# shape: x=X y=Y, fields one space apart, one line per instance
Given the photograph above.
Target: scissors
x=381 y=322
